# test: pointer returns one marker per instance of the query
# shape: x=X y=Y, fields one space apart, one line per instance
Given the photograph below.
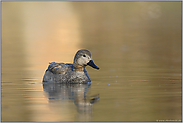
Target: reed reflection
x=76 y=93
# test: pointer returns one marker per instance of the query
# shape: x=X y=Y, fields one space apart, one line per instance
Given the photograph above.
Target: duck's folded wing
x=57 y=68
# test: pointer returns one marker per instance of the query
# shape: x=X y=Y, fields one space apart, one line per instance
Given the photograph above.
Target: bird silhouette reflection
x=72 y=92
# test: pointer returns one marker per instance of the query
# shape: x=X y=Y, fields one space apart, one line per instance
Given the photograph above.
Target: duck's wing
x=57 y=68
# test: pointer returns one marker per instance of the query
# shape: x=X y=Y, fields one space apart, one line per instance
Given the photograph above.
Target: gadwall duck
x=71 y=73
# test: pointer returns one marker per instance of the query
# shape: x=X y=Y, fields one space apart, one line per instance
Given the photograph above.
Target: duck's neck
x=78 y=67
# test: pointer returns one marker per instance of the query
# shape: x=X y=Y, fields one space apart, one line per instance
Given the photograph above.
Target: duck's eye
x=84 y=55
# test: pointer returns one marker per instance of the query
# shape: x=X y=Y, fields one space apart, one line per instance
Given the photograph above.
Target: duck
x=71 y=73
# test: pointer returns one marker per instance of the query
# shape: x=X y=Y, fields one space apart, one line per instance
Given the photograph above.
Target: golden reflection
x=43 y=32
x=52 y=34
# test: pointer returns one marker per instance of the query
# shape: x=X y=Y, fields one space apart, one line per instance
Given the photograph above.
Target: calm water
x=137 y=46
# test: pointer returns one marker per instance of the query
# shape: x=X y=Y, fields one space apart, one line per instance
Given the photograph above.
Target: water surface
x=137 y=46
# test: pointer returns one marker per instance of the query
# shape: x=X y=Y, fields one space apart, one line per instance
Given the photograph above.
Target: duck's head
x=83 y=58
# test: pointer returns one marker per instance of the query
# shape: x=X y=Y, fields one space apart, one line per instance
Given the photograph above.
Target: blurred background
x=137 y=46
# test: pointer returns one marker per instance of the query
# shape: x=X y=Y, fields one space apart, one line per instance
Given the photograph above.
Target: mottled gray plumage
x=71 y=73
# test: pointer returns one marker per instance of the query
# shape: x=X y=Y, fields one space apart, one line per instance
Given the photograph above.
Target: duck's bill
x=92 y=64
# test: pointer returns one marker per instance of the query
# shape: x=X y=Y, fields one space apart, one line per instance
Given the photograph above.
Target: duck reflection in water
x=72 y=92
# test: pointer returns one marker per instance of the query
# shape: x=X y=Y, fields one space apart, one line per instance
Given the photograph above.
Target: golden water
x=137 y=46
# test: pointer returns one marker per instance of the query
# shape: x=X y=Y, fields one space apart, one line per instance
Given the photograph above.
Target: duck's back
x=64 y=73
x=56 y=72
